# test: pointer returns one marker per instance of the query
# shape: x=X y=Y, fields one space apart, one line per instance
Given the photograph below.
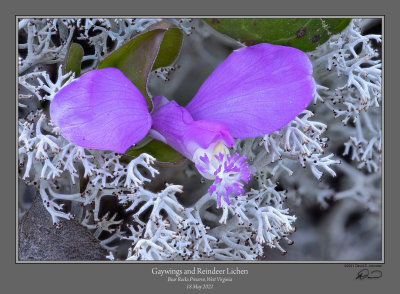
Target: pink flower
x=255 y=91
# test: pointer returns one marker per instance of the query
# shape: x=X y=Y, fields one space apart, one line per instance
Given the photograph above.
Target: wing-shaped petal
x=256 y=90
x=102 y=109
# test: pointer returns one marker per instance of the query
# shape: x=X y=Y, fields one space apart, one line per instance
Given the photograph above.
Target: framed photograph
x=199 y=146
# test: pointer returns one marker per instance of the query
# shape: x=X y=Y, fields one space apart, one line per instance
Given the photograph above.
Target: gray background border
x=105 y=278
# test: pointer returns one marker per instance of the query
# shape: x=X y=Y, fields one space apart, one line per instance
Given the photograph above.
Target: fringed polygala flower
x=255 y=91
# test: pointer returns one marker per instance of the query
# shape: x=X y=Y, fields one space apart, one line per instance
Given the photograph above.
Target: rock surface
x=40 y=240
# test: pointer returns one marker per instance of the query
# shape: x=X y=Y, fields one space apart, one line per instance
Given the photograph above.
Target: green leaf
x=136 y=58
x=302 y=33
x=73 y=60
x=169 y=49
x=164 y=154
x=157 y=47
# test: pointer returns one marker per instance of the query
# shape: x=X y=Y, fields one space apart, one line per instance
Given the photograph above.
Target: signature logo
x=367 y=274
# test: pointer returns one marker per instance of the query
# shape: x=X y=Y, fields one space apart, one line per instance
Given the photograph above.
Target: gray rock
x=40 y=240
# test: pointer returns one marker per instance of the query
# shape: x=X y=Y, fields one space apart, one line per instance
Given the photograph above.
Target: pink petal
x=173 y=125
x=102 y=109
x=256 y=90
